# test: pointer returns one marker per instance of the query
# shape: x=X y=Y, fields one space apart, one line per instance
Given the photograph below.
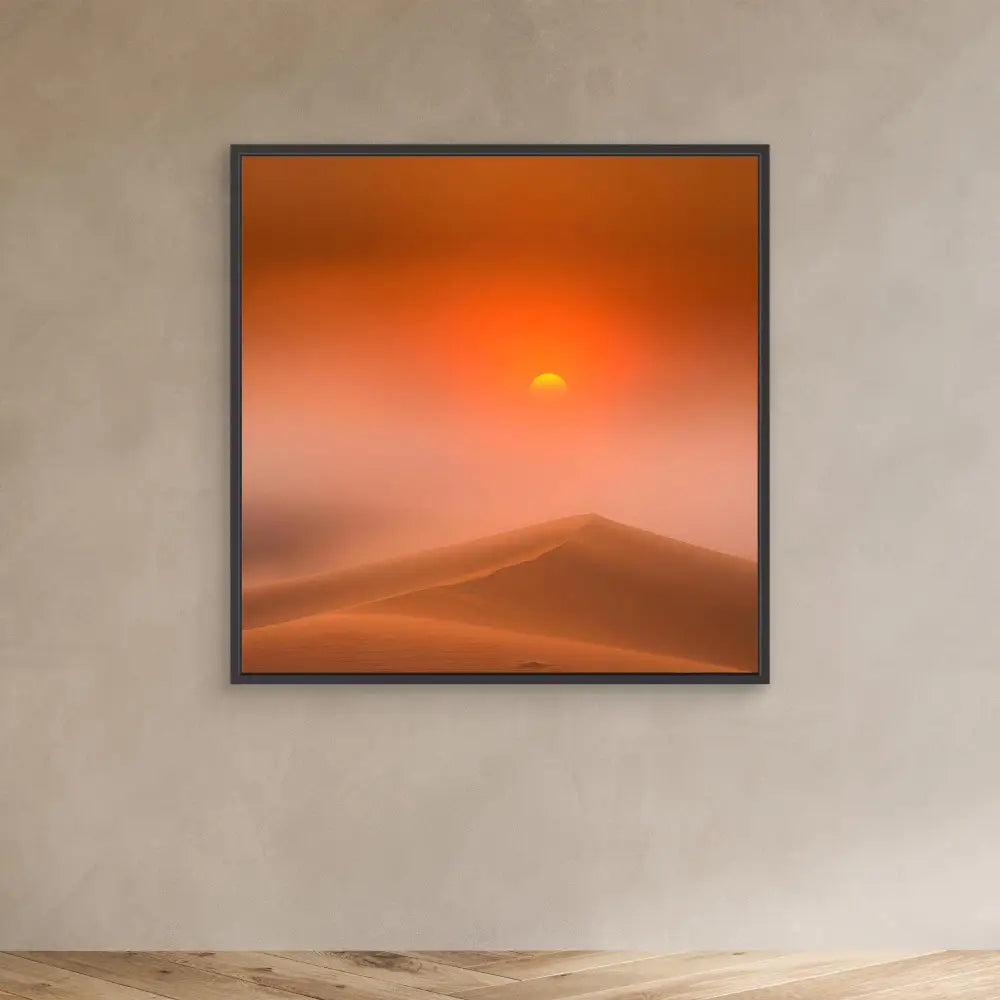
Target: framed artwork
x=499 y=413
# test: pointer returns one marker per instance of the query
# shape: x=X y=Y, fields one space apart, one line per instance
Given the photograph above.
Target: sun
x=548 y=384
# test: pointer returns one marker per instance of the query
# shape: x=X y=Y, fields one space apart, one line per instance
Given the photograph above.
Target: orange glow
x=397 y=308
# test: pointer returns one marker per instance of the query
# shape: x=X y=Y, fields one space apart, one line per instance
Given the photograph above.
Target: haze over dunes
x=398 y=312
x=579 y=594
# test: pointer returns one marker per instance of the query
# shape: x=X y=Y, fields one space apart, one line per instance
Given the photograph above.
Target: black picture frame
x=760 y=151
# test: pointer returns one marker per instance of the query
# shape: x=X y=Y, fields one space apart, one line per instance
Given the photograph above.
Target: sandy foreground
x=363 y=643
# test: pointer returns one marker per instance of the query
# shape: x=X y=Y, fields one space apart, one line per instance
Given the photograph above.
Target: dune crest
x=610 y=584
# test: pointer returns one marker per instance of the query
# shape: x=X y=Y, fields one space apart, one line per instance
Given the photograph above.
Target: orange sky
x=396 y=309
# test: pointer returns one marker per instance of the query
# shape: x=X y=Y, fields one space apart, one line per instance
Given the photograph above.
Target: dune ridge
x=610 y=584
x=563 y=595
x=271 y=603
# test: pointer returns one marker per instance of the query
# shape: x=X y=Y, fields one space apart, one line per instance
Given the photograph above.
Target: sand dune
x=614 y=585
x=280 y=602
x=577 y=594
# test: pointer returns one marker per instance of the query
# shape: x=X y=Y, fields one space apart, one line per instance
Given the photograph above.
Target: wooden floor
x=499 y=975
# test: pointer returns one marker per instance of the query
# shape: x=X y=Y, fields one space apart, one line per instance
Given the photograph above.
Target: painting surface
x=499 y=414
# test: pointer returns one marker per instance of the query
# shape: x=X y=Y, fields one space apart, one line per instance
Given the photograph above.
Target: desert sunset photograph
x=498 y=414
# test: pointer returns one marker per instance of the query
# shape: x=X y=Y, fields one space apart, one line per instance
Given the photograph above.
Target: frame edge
x=760 y=150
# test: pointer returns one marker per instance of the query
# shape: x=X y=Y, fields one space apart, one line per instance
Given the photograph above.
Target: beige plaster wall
x=143 y=802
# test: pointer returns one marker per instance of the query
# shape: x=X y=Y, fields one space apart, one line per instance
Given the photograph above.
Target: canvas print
x=498 y=413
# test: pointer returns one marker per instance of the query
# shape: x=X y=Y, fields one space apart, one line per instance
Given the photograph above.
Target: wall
x=146 y=803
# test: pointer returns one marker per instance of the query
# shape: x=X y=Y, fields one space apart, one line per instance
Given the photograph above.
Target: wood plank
x=557 y=963
x=397 y=967
x=974 y=986
x=473 y=959
x=756 y=973
x=988 y=992
x=924 y=977
x=146 y=971
x=302 y=978
x=31 y=980
x=647 y=970
x=983 y=985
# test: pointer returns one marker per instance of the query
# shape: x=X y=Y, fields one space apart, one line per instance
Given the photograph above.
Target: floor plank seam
x=373 y=979
x=140 y=993
x=310 y=969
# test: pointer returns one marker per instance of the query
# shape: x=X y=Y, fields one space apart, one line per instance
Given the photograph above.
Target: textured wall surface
x=144 y=803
